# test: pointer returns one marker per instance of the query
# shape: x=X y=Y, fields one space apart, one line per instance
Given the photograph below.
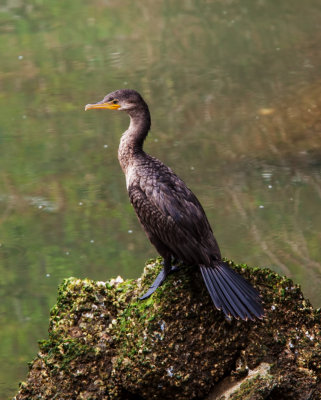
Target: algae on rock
x=106 y=344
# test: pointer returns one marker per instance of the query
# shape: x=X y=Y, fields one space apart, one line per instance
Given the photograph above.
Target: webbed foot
x=160 y=279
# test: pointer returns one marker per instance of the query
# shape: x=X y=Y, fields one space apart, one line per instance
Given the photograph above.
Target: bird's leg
x=161 y=277
x=175 y=264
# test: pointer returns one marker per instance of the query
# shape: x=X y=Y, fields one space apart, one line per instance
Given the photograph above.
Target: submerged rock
x=106 y=344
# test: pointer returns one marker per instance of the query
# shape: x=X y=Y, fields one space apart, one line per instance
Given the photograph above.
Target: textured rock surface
x=105 y=344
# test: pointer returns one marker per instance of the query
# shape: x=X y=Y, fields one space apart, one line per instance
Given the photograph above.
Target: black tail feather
x=251 y=296
x=226 y=302
x=211 y=289
x=232 y=296
x=224 y=305
x=230 y=292
x=230 y=274
x=252 y=303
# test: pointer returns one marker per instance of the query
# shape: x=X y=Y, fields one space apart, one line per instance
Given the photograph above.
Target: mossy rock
x=106 y=344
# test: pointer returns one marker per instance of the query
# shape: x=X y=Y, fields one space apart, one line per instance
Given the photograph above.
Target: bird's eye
x=115 y=101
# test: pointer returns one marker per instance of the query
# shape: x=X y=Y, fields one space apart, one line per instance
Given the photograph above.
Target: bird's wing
x=160 y=226
x=171 y=212
x=169 y=194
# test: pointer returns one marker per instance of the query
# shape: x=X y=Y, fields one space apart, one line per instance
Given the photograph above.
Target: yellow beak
x=109 y=106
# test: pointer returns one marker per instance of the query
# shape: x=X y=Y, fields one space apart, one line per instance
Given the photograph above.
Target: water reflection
x=233 y=88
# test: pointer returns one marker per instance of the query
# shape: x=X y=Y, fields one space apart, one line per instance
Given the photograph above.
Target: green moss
x=63 y=350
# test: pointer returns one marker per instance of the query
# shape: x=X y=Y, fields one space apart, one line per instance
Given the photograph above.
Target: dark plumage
x=171 y=215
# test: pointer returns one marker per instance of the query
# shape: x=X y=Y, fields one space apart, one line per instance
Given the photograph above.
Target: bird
x=172 y=217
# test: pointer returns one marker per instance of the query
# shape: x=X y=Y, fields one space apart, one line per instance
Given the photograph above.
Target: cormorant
x=171 y=215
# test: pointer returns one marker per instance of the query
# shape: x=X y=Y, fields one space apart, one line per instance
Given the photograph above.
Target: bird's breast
x=130 y=175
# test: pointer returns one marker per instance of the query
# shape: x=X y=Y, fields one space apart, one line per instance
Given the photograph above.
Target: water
x=233 y=89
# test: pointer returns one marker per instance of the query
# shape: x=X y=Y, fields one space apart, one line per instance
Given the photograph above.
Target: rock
x=106 y=344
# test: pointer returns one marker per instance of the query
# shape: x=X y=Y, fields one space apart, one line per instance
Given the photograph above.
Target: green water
x=234 y=91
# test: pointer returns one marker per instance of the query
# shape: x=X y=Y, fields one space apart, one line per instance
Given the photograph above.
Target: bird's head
x=122 y=100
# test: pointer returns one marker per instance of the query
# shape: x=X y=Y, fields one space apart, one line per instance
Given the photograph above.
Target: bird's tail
x=230 y=292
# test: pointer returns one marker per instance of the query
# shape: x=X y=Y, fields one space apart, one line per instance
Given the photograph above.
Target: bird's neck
x=131 y=142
